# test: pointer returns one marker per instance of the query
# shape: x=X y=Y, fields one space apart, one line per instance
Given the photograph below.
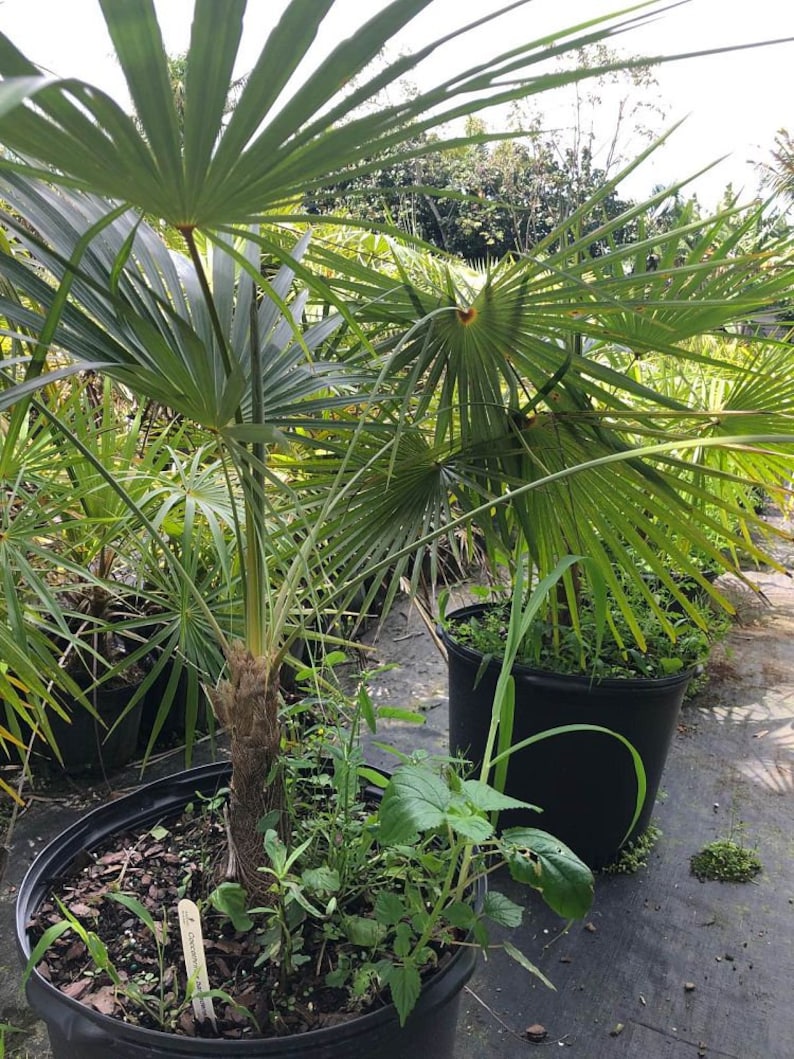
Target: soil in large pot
x=78 y=1031
x=585 y=782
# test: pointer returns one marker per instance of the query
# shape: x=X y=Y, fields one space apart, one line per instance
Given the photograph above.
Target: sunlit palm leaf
x=264 y=156
x=518 y=385
x=148 y=323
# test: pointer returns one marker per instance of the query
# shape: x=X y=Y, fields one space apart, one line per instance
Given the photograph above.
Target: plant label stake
x=193 y=951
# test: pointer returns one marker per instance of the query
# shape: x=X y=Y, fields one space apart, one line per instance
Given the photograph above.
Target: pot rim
x=532 y=674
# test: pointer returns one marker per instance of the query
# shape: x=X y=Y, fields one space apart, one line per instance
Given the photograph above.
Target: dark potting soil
x=158 y=867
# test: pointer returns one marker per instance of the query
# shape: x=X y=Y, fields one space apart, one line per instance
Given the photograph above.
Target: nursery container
x=79 y=1032
x=585 y=782
x=88 y=746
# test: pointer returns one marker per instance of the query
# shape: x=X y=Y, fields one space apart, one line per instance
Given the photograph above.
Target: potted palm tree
x=298 y=568
x=202 y=333
x=307 y=432
x=92 y=570
x=72 y=585
x=85 y=587
x=563 y=398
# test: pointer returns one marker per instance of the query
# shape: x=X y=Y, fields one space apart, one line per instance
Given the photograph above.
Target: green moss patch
x=635 y=855
x=725 y=861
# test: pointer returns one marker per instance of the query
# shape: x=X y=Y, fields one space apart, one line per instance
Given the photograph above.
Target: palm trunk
x=247 y=705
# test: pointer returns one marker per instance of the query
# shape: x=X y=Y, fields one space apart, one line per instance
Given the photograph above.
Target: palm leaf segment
x=254 y=376
x=147 y=323
x=276 y=147
x=524 y=374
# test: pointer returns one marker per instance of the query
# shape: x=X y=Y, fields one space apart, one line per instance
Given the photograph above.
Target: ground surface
x=665 y=967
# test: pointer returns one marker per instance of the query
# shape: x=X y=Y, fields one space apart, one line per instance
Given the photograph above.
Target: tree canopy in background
x=479 y=201
x=508 y=194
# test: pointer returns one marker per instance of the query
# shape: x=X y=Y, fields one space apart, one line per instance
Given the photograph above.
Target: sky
x=732 y=104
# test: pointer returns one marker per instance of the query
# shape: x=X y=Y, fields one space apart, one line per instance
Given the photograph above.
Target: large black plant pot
x=86 y=745
x=79 y=1032
x=585 y=782
x=175 y=724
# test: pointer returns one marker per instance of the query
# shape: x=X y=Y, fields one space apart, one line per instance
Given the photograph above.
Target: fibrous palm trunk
x=246 y=703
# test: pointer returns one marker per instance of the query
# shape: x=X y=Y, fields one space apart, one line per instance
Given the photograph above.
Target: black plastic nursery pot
x=79 y=1032
x=175 y=723
x=585 y=782
x=86 y=745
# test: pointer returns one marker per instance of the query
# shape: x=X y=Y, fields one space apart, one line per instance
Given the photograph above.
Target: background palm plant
x=261 y=368
x=533 y=369
x=88 y=607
